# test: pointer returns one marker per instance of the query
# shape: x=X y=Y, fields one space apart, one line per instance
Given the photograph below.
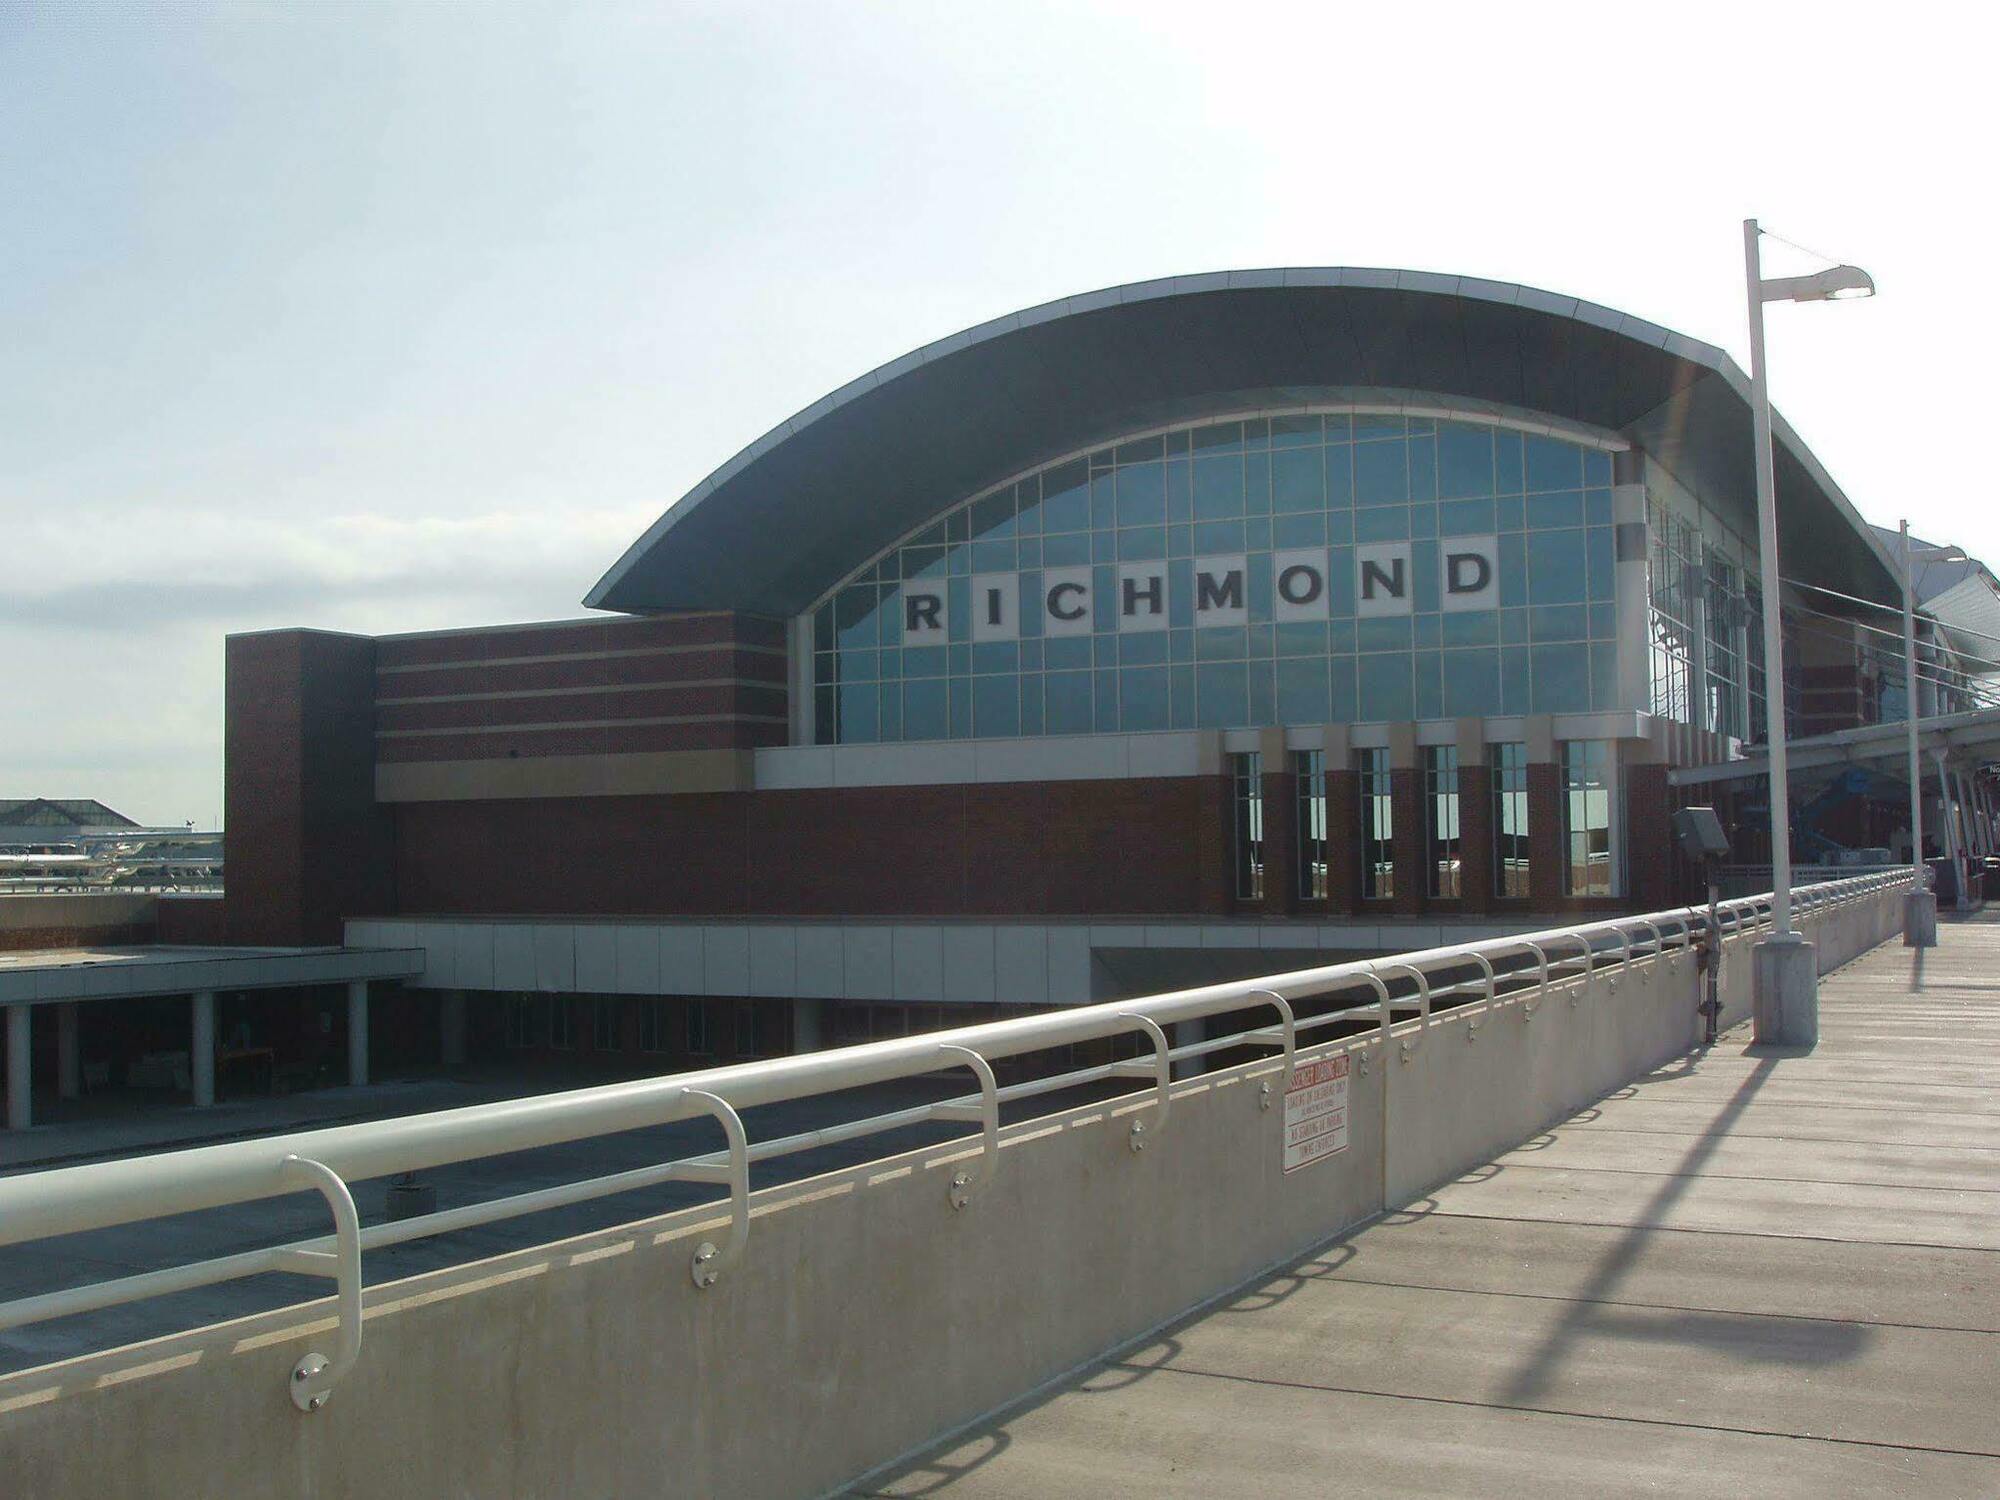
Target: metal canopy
x=1973 y=736
x=817 y=496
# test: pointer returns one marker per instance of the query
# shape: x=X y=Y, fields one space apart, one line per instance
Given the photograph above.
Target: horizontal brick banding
x=621 y=685
x=653 y=666
x=700 y=700
x=570 y=637
x=721 y=733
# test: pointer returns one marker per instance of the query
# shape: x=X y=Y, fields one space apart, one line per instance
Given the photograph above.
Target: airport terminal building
x=1180 y=630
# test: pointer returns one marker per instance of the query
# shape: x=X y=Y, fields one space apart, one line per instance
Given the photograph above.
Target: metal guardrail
x=1423 y=987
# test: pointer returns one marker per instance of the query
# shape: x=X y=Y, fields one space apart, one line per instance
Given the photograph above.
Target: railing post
x=709 y=1263
x=314 y=1376
x=1163 y=1077
x=989 y=1121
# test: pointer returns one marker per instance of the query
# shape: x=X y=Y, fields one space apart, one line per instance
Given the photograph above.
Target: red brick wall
x=1134 y=846
x=1475 y=838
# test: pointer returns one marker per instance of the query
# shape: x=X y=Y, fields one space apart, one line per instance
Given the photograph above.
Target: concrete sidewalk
x=1744 y=1274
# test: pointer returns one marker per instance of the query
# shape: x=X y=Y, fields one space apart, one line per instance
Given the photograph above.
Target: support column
x=1475 y=818
x=20 y=1078
x=807 y=1019
x=357 y=1032
x=1410 y=837
x=1186 y=1034
x=1343 y=824
x=1547 y=879
x=69 y=1070
x=451 y=1017
x=201 y=1051
x=1280 y=792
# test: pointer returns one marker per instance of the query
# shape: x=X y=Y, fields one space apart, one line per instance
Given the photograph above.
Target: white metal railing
x=1420 y=987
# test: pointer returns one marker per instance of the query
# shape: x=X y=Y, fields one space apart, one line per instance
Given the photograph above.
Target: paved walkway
x=1745 y=1274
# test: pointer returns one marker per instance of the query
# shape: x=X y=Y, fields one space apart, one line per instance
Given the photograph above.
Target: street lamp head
x=1835 y=284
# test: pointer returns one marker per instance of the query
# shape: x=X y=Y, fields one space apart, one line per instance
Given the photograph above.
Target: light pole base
x=1920 y=919
x=1784 y=989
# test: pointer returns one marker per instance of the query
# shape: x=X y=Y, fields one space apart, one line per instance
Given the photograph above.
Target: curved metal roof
x=818 y=495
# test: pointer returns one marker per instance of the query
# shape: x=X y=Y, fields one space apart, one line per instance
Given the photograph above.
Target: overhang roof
x=813 y=499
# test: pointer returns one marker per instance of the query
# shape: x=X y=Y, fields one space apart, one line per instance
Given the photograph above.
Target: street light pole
x=1784 y=970
x=1774 y=635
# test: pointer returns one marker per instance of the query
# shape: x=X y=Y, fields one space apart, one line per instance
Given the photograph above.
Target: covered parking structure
x=67 y=979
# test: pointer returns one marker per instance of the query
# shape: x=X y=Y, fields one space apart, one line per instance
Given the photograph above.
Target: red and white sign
x=1316 y=1112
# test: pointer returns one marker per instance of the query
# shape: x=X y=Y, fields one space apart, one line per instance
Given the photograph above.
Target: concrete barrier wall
x=867 y=1316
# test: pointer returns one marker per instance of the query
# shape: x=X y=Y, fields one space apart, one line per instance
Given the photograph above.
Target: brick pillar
x=1406 y=791
x=1649 y=837
x=1281 y=827
x=1546 y=884
x=304 y=841
x=1343 y=839
x=1475 y=837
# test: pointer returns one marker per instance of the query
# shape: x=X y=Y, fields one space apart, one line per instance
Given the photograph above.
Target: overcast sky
x=397 y=317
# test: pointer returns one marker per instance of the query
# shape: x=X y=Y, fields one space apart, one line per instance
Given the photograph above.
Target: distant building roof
x=59 y=812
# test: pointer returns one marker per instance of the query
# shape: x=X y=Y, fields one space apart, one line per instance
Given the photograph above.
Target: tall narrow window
x=1510 y=821
x=1309 y=767
x=562 y=1022
x=700 y=1036
x=1247 y=781
x=604 y=1025
x=1587 y=799
x=1441 y=818
x=1378 y=824
x=653 y=1026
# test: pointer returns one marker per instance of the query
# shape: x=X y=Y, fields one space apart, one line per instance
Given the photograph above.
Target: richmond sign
x=1067 y=598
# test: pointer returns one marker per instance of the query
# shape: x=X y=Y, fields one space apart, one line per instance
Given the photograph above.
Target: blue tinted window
x=1386 y=691
x=1218 y=488
x=996 y=707
x=1142 y=494
x=1554 y=465
x=1069 y=697
x=1222 y=696
x=1556 y=568
x=1381 y=473
x=1465 y=462
x=1143 y=698
x=1561 y=679
x=1471 y=683
x=1297 y=481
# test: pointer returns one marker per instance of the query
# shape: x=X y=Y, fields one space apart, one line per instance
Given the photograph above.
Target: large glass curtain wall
x=1259 y=497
